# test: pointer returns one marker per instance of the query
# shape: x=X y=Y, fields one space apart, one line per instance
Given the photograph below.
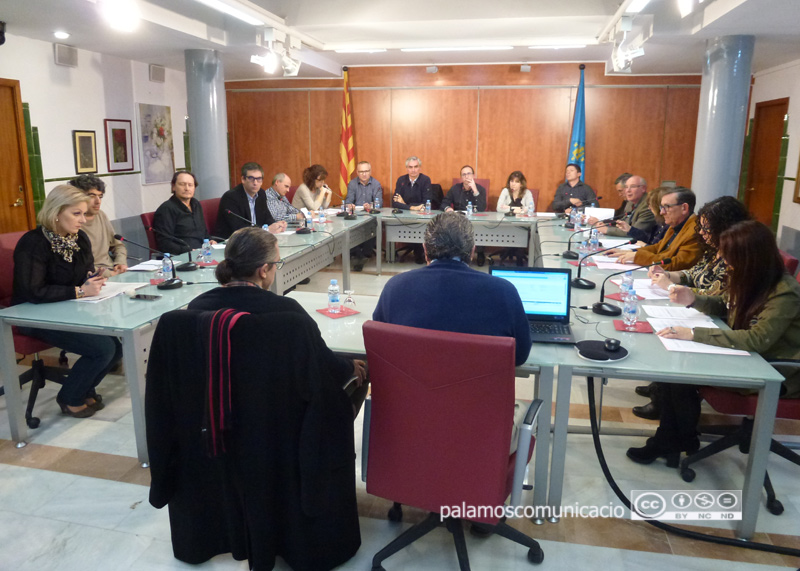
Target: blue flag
x=577 y=142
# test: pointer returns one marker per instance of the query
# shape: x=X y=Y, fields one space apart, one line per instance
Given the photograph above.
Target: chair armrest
x=791 y=363
x=523 y=445
x=533 y=411
x=365 y=437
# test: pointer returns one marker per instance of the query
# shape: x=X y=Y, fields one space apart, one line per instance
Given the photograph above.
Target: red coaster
x=618 y=296
x=480 y=214
x=210 y=264
x=641 y=326
x=156 y=281
x=343 y=312
x=586 y=265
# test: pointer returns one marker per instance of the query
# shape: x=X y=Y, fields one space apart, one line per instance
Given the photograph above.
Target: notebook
x=545 y=295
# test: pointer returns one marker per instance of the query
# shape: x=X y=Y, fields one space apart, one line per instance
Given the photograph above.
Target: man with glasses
x=363 y=190
x=109 y=253
x=638 y=213
x=680 y=243
x=461 y=194
x=247 y=201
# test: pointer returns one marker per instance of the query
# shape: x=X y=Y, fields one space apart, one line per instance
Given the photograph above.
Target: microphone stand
x=583 y=283
x=583 y=203
x=568 y=253
x=174 y=282
x=189 y=266
x=602 y=308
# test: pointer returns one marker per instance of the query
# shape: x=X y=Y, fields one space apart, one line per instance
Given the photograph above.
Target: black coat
x=236 y=201
x=287 y=483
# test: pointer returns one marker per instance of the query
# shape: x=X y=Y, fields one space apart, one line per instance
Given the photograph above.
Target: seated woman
x=762 y=306
x=657 y=232
x=52 y=263
x=178 y=223
x=515 y=197
x=313 y=178
x=706 y=277
x=246 y=273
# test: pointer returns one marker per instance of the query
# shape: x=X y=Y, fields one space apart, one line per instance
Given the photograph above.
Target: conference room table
x=491 y=229
x=649 y=360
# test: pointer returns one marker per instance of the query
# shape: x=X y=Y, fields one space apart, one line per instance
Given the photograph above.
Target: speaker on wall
x=65 y=55
x=158 y=73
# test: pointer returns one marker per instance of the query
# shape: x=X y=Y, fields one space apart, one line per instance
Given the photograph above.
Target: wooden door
x=765 y=154
x=16 y=195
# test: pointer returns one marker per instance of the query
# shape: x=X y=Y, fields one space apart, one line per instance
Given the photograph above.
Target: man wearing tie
x=246 y=201
x=413 y=189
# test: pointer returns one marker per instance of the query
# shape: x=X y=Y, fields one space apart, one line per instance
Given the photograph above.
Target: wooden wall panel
x=326 y=125
x=527 y=130
x=270 y=128
x=438 y=126
x=680 y=131
x=372 y=128
x=624 y=133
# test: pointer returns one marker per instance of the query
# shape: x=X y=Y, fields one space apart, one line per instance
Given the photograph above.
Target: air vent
x=158 y=73
x=65 y=55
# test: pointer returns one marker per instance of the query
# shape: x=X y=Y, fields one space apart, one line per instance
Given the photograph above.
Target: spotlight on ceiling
x=268 y=61
x=121 y=15
x=61 y=35
x=291 y=66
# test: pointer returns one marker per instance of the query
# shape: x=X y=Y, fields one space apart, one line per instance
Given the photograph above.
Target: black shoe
x=304 y=282
x=419 y=259
x=645 y=390
x=650 y=411
x=652 y=450
x=481 y=258
x=358 y=265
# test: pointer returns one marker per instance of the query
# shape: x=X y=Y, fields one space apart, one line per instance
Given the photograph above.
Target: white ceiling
x=171 y=26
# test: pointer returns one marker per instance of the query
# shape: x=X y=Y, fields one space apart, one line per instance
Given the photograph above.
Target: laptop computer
x=545 y=295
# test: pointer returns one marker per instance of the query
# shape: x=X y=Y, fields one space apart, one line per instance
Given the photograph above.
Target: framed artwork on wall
x=119 y=145
x=157 y=158
x=85 y=149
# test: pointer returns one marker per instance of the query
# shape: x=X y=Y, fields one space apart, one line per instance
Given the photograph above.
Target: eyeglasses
x=466 y=174
x=668 y=206
x=364 y=172
x=632 y=186
x=278 y=264
x=255 y=178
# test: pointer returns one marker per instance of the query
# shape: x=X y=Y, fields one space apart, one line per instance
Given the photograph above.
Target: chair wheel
x=535 y=555
x=774 y=507
x=395 y=513
x=34 y=422
x=688 y=475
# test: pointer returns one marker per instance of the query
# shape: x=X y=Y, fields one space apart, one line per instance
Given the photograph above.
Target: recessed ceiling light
x=61 y=35
x=459 y=49
x=121 y=15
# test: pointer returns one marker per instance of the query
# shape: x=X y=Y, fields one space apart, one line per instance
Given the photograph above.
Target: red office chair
x=729 y=402
x=290 y=193
x=24 y=345
x=210 y=209
x=440 y=430
x=790 y=262
x=147 y=222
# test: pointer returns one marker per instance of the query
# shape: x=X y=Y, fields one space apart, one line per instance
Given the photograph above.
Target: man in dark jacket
x=246 y=201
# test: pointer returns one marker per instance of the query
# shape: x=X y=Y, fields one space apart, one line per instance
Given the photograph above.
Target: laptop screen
x=544 y=292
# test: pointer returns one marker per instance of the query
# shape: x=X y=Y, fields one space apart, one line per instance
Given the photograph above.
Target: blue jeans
x=99 y=354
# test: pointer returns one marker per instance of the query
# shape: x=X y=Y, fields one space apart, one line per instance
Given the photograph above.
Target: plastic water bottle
x=166 y=267
x=376 y=204
x=583 y=250
x=469 y=208
x=578 y=219
x=630 y=310
x=627 y=284
x=321 y=217
x=427 y=206
x=333 y=297
x=265 y=227
x=530 y=210
x=205 y=254
x=594 y=241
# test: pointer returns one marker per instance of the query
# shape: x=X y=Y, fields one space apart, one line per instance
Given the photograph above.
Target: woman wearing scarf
x=54 y=262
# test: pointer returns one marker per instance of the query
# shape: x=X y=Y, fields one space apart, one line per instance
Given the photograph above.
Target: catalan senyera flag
x=577 y=142
x=347 y=161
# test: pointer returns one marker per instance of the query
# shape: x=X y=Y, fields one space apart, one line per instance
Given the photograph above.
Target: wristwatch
x=80 y=293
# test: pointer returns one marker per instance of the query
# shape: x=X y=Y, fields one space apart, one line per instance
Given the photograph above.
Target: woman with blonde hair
x=54 y=262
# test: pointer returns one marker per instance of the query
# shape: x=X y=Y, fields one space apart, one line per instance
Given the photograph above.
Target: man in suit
x=246 y=200
x=680 y=243
x=638 y=213
x=463 y=193
x=411 y=192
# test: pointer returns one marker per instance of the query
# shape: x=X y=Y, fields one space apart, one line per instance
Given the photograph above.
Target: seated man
x=619 y=186
x=246 y=201
x=573 y=192
x=362 y=191
x=413 y=189
x=463 y=193
x=680 y=243
x=638 y=213
x=99 y=229
x=279 y=206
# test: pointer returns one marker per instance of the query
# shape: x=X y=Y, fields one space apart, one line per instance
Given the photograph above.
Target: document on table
x=672 y=312
x=615 y=242
x=146 y=266
x=112 y=289
x=609 y=263
x=546 y=214
x=692 y=321
x=645 y=288
x=218 y=246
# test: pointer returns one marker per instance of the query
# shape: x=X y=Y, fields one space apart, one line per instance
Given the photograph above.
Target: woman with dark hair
x=178 y=223
x=762 y=307
x=515 y=197
x=54 y=262
x=245 y=275
x=706 y=277
x=320 y=197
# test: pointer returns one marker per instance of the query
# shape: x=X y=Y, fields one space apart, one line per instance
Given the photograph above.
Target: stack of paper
x=146 y=266
x=662 y=317
x=112 y=289
x=609 y=263
x=645 y=288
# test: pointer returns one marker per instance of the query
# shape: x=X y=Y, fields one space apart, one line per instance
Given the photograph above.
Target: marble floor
x=76 y=499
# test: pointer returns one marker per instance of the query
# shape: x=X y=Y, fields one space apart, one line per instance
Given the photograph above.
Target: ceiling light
x=121 y=15
x=636 y=6
x=291 y=66
x=61 y=35
x=364 y=51
x=459 y=49
x=558 y=47
x=685 y=7
x=232 y=10
x=269 y=61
